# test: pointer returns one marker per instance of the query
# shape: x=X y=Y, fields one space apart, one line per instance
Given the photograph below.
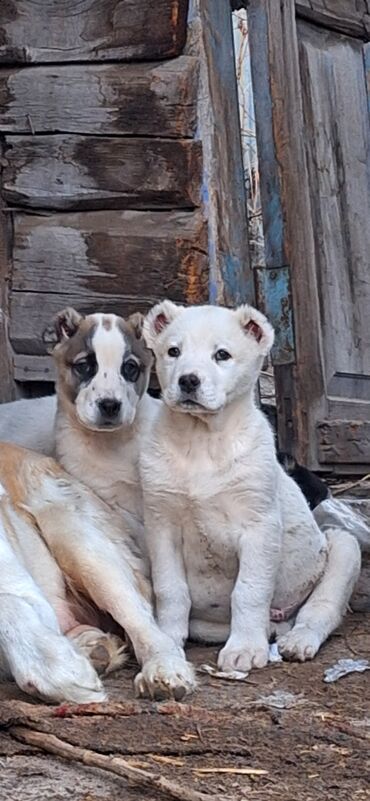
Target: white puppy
x=233 y=545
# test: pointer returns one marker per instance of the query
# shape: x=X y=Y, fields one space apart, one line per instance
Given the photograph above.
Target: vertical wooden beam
x=7 y=384
x=210 y=38
x=287 y=215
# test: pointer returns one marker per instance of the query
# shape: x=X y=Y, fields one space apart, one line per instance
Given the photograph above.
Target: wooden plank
x=272 y=211
x=63 y=30
x=344 y=16
x=33 y=368
x=338 y=140
x=7 y=386
x=344 y=441
x=300 y=386
x=133 y=99
x=77 y=172
x=88 y=253
x=31 y=312
x=210 y=36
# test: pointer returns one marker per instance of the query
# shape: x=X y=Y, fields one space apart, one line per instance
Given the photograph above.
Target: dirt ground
x=223 y=741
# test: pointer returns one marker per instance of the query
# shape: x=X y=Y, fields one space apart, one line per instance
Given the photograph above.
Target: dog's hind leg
x=327 y=604
x=107 y=652
x=33 y=651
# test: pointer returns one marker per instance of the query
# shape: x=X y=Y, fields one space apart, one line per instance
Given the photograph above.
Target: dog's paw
x=300 y=644
x=169 y=676
x=106 y=652
x=54 y=670
x=243 y=656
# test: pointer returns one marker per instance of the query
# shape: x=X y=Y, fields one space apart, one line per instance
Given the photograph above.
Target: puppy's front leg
x=88 y=541
x=247 y=645
x=170 y=586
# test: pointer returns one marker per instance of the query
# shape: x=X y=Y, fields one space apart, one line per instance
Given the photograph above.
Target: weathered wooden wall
x=121 y=170
x=57 y=31
x=101 y=173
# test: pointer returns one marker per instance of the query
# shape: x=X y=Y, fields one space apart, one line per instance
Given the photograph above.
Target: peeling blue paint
x=270 y=185
x=274 y=296
x=238 y=280
x=204 y=194
x=273 y=283
x=212 y=279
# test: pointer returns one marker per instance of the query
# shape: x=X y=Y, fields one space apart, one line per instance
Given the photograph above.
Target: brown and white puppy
x=103 y=411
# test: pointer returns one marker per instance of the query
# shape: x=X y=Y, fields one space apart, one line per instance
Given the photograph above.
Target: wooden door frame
x=288 y=285
x=210 y=39
x=289 y=236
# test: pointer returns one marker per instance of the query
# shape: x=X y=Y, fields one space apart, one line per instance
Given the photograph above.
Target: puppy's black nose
x=189 y=382
x=109 y=408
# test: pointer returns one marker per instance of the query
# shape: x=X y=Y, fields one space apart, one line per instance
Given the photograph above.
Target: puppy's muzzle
x=109 y=409
x=189 y=383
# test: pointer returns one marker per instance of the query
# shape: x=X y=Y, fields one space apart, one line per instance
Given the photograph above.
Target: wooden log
x=345 y=16
x=63 y=30
x=98 y=253
x=133 y=99
x=344 y=441
x=31 y=312
x=77 y=172
x=33 y=368
x=114 y=261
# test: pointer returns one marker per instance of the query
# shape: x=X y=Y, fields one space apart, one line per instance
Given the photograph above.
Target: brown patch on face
x=107 y=323
x=66 y=353
x=136 y=346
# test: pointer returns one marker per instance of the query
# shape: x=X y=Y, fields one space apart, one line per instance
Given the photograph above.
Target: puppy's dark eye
x=130 y=370
x=85 y=369
x=174 y=352
x=222 y=356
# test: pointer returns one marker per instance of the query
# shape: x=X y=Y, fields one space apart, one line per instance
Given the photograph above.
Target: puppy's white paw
x=243 y=656
x=168 y=676
x=300 y=643
x=54 y=670
x=106 y=652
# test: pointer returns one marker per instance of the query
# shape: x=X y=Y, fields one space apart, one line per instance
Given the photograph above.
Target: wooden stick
x=350 y=485
x=347 y=728
x=19 y=713
x=113 y=764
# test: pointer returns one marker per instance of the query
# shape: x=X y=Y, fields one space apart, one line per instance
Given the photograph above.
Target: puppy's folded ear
x=63 y=327
x=136 y=323
x=256 y=326
x=157 y=320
